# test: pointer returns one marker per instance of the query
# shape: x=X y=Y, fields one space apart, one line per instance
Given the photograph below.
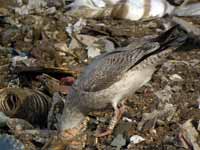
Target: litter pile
x=46 y=44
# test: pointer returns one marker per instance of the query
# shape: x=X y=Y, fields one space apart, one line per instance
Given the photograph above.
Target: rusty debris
x=61 y=63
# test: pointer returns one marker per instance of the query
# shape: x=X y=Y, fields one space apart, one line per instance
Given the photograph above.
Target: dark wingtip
x=174 y=37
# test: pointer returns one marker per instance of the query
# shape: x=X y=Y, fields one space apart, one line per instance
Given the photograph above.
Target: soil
x=184 y=93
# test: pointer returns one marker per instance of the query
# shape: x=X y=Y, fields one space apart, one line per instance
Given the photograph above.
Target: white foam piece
x=135 y=139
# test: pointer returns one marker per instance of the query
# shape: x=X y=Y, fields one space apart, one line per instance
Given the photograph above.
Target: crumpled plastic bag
x=132 y=9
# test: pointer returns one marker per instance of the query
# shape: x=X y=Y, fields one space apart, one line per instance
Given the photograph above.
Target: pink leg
x=115 y=119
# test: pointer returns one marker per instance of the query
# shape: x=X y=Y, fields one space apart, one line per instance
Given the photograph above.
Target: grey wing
x=109 y=68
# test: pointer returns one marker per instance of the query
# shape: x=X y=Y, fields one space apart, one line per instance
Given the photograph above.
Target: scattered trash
x=133 y=9
x=9 y=142
x=189 y=136
x=25 y=103
x=188 y=10
x=165 y=95
x=93 y=52
x=76 y=28
x=36 y=5
x=3 y=119
x=135 y=139
x=18 y=125
x=198 y=100
x=99 y=46
x=150 y=119
x=176 y=77
x=56 y=107
x=46 y=44
x=53 y=85
x=118 y=141
x=127 y=119
x=24 y=60
x=87 y=39
x=89 y=3
x=187 y=26
x=51 y=10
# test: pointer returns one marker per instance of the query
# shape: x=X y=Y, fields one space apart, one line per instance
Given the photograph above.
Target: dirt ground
x=164 y=135
x=175 y=84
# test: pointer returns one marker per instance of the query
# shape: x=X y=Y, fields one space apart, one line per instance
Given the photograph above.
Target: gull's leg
x=118 y=112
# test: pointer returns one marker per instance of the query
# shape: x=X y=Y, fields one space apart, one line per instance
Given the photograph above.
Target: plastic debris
x=17 y=59
x=54 y=111
x=134 y=9
x=93 y=52
x=88 y=3
x=176 y=77
x=118 y=141
x=8 y=142
x=131 y=9
x=57 y=4
x=31 y=6
x=51 y=10
x=188 y=10
x=189 y=136
x=87 y=39
x=23 y=103
x=149 y=119
x=3 y=119
x=165 y=95
x=18 y=125
x=135 y=139
x=192 y=29
x=198 y=128
x=45 y=45
x=127 y=119
x=198 y=100
x=76 y=28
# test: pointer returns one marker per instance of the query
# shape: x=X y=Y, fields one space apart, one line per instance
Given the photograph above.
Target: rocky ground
x=43 y=49
x=181 y=94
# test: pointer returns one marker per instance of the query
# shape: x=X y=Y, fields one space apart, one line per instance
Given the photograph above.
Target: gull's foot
x=115 y=119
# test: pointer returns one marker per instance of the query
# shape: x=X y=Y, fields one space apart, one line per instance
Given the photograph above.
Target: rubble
x=10 y=142
x=23 y=103
x=118 y=141
x=198 y=100
x=149 y=120
x=46 y=44
x=165 y=95
x=176 y=77
x=135 y=139
x=132 y=9
x=189 y=136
